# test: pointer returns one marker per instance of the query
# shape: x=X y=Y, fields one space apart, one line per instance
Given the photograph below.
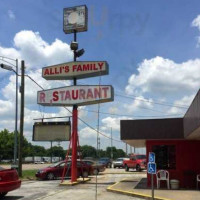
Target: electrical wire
x=138 y=116
x=116 y=95
x=71 y=113
x=153 y=102
x=93 y=127
x=42 y=112
x=168 y=104
x=79 y=117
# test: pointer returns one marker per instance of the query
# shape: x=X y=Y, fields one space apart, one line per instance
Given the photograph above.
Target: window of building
x=165 y=156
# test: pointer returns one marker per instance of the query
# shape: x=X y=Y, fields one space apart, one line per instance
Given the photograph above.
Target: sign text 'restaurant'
x=76 y=95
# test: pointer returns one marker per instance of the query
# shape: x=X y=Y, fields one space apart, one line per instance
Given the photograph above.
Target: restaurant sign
x=71 y=70
x=76 y=95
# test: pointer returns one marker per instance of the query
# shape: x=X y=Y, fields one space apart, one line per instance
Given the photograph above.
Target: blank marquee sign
x=51 y=131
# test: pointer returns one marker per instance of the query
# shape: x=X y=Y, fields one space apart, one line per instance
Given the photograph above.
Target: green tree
x=101 y=153
x=6 y=144
x=120 y=153
x=88 y=151
x=56 y=151
x=116 y=152
x=39 y=150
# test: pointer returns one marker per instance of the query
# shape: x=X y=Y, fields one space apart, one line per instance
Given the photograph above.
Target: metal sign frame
x=74 y=27
x=41 y=96
x=50 y=124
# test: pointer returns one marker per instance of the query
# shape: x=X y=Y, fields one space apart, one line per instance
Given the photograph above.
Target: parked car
x=6 y=161
x=106 y=162
x=96 y=167
x=56 y=170
x=9 y=180
x=119 y=162
x=39 y=162
x=89 y=158
x=136 y=161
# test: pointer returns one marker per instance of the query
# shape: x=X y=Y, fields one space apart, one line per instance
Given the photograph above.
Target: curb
x=123 y=173
x=132 y=193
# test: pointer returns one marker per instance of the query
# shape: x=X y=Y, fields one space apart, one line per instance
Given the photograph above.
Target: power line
x=78 y=117
x=153 y=102
x=107 y=113
x=116 y=95
x=140 y=116
x=168 y=104
x=34 y=82
x=94 y=128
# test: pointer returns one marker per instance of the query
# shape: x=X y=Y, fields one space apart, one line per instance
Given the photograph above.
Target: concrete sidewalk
x=129 y=187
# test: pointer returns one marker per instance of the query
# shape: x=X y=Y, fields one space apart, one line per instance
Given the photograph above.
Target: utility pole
x=51 y=153
x=21 y=118
x=99 y=143
x=16 y=117
x=126 y=149
x=98 y=139
x=111 y=145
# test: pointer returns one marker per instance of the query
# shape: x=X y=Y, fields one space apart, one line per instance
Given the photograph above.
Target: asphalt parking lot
x=50 y=190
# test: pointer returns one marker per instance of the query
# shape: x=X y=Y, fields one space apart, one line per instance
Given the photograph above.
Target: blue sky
x=151 y=47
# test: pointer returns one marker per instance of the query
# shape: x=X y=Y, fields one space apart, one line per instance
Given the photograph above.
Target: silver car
x=119 y=162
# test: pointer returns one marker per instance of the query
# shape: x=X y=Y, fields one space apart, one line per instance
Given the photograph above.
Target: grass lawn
x=29 y=174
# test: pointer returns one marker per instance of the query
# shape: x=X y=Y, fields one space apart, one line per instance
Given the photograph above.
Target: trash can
x=174 y=184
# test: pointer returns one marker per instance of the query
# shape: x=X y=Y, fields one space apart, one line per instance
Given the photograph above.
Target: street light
x=8 y=67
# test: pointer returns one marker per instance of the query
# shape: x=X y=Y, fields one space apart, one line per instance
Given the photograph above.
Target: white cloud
x=87 y=133
x=113 y=110
x=87 y=136
x=138 y=103
x=11 y=15
x=112 y=122
x=6 y=108
x=186 y=100
x=163 y=77
x=37 y=52
x=11 y=53
x=31 y=88
x=196 y=23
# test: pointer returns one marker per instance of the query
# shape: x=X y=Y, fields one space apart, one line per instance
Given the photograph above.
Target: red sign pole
x=74 y=144
x=74 y=132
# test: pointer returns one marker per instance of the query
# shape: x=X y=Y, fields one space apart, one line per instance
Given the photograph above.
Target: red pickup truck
x=136 y=161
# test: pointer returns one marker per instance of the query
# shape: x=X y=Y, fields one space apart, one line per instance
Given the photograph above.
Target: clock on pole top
x=75 y=19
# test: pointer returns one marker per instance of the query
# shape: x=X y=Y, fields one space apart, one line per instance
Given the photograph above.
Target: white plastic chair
x=198 y=179
x=162 y=175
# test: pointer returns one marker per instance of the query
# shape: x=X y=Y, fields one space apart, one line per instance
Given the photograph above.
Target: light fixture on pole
x=6 y=67
x=9 y=68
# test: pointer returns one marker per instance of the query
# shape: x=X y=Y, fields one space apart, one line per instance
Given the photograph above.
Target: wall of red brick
x=187 y=161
